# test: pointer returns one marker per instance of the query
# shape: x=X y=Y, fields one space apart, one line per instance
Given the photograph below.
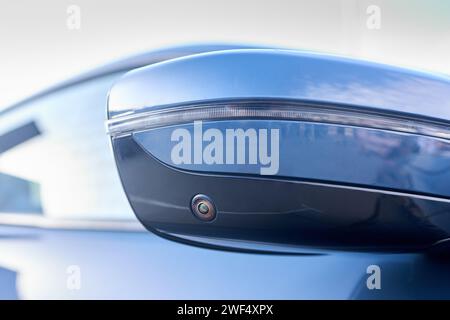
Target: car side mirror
x=277 y=150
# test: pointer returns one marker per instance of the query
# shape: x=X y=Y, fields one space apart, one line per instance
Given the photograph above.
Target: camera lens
x=203 y=207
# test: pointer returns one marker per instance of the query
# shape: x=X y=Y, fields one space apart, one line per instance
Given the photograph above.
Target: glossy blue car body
x=118 y=259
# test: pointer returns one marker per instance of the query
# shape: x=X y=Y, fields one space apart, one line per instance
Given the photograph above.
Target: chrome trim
x=41 y=222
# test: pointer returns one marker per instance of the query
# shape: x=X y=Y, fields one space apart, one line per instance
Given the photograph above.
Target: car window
x=55 y=157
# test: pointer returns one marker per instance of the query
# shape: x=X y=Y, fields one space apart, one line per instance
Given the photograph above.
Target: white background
x=37 y=48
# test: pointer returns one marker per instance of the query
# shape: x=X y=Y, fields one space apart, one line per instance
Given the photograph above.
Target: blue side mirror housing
x=278 y=150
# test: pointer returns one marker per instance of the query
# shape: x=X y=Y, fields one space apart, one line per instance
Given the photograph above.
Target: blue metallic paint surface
x=281 y=74
x=326 y=152
x=144 y=266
